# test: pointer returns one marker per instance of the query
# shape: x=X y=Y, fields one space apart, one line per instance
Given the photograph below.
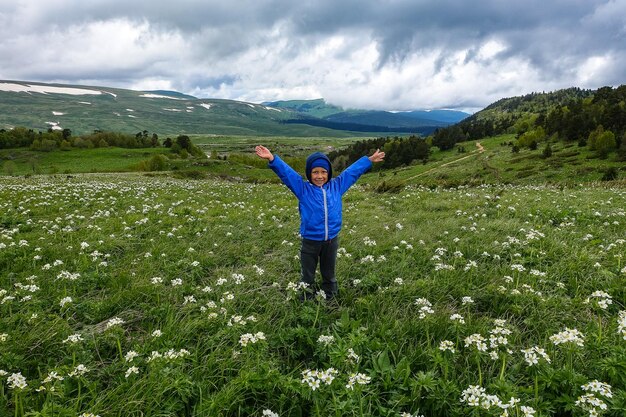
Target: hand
x=264 y=153
x=378 y=156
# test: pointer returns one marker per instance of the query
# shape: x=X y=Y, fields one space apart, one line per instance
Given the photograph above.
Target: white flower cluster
x=68 y=276
x=189 y=299
x=366 y=259
x=240 y=321
x=425 y=307
x=73 y=338
x=17 y=381
x=405 y=244
x=532 y=355
x=600 y=298
x=115 y=321
x=457 y=318
x=352 y=356
x=590 y=402
x=467 y=300
x=443 y=267
x=248 y=338
x=446 y=345
x=313 y=378
x=295 y=287
x=498 y=336
x=238 y=278
x=476 y=396
x=79 y=370
x=568 y=336
x=64 y=301
x=52 y=376
x=169 y=355
x=621 y=323
x=478 y=340
x=358 y=378
x=131 y=370
x=369 y=242
x=269 y=413
x=325 y=340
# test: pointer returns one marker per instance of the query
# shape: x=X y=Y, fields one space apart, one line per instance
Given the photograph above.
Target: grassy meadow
x=129 y=295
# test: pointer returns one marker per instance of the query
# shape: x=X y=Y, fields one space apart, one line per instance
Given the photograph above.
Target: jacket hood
x=309 y=163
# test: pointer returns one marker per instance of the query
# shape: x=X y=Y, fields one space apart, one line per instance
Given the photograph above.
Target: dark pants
x=326 y=252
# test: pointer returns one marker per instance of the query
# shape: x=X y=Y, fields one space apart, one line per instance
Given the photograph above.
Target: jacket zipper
x=325 y=215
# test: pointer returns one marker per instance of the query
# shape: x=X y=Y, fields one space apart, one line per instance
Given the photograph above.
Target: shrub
x=193 y=174
x=9 y=167
x=547 y=151
x=157 y=162
x=390 y=186
x=610 y=174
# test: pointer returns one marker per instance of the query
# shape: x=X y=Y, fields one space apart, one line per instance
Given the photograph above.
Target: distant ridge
x=168 y=93
x=418 y=120
x=84 y=109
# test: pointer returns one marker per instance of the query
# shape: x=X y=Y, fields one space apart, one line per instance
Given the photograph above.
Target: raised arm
x=287 y=175
x=351 y=174
x=377 y=156
x=264 y=153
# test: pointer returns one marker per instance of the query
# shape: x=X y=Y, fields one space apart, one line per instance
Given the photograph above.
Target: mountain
x=316 y=108
x=447 y=116
x=84 y=109
x=422 y=121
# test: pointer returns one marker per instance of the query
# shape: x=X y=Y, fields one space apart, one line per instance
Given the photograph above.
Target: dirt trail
x=479 y=149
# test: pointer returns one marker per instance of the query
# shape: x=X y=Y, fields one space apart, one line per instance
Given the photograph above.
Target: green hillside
x=130 y=111
x=424 y=122
x=316 y=108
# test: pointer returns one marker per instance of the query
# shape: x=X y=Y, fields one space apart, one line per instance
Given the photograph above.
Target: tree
x=621 y=151
x=547 y=151
x=605 y=143
x=593 y=137
x=446 y=138
x=532 y=138
x=9 y=167
x=155 y=140
x=184 y=142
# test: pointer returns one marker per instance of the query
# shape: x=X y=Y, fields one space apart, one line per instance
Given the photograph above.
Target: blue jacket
x=319 y=207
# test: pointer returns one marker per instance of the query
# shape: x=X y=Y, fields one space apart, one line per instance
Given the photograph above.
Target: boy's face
x=319 y=176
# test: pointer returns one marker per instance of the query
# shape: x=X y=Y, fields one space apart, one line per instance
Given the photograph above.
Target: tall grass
x=153 y=296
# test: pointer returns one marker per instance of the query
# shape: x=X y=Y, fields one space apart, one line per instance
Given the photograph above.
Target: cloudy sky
x=381 y=54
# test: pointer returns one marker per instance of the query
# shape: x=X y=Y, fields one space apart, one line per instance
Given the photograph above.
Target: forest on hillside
x=596 y=119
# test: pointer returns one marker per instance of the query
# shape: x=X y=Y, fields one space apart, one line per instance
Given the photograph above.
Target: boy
x=319 y=204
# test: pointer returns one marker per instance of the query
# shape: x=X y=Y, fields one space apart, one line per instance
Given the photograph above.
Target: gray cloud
x=396 y=54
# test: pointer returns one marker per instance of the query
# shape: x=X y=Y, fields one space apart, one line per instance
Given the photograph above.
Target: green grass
x=76 y=160
x=104 y=240
x=569 y=163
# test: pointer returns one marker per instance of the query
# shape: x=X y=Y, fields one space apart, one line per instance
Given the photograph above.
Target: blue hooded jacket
x=320 y=207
